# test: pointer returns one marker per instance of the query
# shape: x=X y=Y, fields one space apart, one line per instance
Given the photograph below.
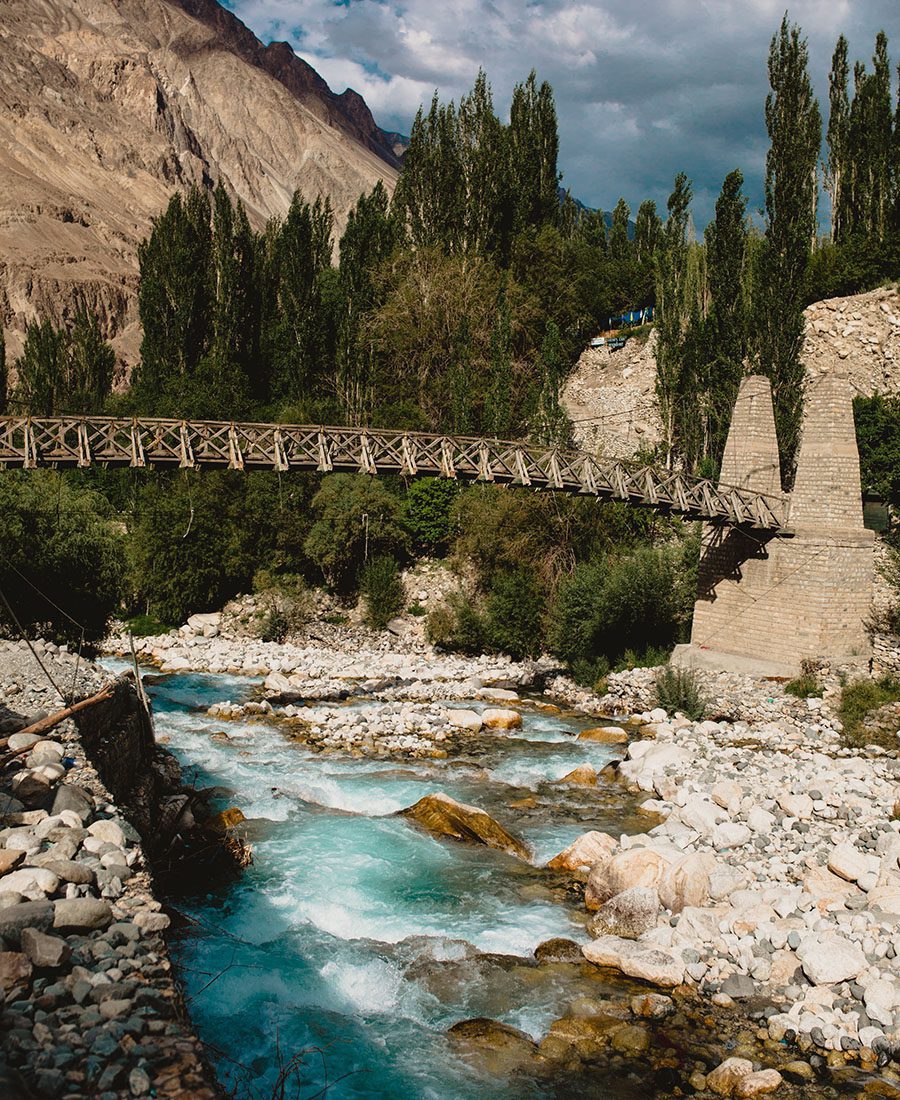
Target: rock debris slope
x=108 y=106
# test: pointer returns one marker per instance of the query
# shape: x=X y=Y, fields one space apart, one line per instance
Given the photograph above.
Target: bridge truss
x=84 y=441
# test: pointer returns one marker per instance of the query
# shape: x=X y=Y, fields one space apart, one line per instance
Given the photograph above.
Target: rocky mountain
x=108 y=106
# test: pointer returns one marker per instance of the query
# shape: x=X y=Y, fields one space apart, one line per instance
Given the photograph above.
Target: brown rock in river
x=494 y=1047
x=605 y=735
x=444 y=816
x=582 y=776
x=584 y=853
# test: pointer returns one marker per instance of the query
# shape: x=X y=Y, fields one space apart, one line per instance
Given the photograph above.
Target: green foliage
x=64 y=370
x=382 y=588
x=458 y=625
x=804 y=686
x=416 y=610
x=4 y=377
x=428 y=512
x=358 y=518
x=858 y=700
x=515 y=608
x=286 y=604
x=630 y=601
x=674 y=309
x=651 y=657
x=146 y=626
x=61 y=558
x=680 y=690
x=878 y=436
x=857 y=264
x=794 y=125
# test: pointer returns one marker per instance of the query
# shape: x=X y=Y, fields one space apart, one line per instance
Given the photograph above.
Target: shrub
x=383 y=591
x=804 y=686
x=515 y=609
x=416 y=610
x=286 y=602
x=428 y=512
x=357 y=516
x=61 y=538
x=650 y=657
x=439 y=627
x=145 y=626
x=591 y=674
x=457 y=625
x=859 y=699
x=679 y=689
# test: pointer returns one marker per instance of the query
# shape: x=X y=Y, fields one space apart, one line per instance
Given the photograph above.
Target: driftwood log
x=44 y=725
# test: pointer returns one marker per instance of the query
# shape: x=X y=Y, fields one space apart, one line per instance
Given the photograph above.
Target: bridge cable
x=62 y=611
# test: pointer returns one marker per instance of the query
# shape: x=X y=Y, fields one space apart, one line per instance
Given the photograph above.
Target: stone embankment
x=90 y=1006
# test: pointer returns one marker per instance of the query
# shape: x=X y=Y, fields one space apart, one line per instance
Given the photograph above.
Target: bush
x=859 y=699
x=679 y=689
x=145 y=626
x=357 y=516
x=428 y=512
x=61 y=538
x=515 y=609
x=383 y=591
x=457 y=625
x=591 y=674
x=804 y=686
x=640 y=602
x=286 y=601
x=651 y=657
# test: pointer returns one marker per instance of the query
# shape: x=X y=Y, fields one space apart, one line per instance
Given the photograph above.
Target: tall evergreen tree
x=40 y=369
x=484 y=203
x=88 y=364
x=551 y=423
x=618 y=245
x=838 y=136
x=533 y=151
x=647 y=229
x=175 y=298
x=791 y=189
x=674 y=314
x=726 y=246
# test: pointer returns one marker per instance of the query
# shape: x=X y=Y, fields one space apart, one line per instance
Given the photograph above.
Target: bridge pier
x=767 y=601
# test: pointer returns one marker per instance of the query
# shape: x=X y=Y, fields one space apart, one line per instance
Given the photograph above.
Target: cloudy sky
x=644 y=88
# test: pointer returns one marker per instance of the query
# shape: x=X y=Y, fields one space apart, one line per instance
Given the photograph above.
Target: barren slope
x=108 y=106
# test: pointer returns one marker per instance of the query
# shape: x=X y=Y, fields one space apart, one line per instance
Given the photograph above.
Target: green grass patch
x=143 y=626
x=803 y=687
x=858 y=700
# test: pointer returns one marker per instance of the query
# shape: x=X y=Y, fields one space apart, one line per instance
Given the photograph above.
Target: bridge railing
x=82 y=441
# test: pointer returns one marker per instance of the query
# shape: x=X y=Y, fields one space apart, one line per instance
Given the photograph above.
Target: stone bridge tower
x=769 y=601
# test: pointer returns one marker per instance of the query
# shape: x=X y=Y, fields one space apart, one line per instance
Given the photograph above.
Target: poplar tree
x=551 y=423
x=498 y=417
x=794 y=126
x=673 y=318
x=62 y=371
x=726 y=257
x=484 y=202
x=838 y=136
x=533 y=152
x=647 y=228
x=618 y=245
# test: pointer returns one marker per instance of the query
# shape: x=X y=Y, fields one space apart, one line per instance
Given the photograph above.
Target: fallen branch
x=44 y=725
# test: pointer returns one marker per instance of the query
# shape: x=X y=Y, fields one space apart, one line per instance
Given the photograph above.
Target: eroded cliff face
x=108 y=106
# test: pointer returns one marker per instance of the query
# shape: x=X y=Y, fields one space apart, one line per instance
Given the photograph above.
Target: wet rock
x=630 y=1040
x=558 y=950
x=629 y=914
x=444 y=816
x=723 y=1080
x=652 y=1006
x=637 y=960
x=78 y=914
x=495 y=1048
x=605 y=735
x=582 y=854
x=760 y=1083
x=500 y=718
x=588 y=1034
x=220 y=823
x=45 y=952
x=582 y=776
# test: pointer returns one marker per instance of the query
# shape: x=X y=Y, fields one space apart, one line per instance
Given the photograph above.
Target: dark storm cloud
x=643 y=89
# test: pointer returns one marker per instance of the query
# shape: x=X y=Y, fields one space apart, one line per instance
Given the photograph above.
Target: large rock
x=469 y=720
x=500 y=718
x=582 y=776
x=637 y=960
x=27 y=914
x=686 y=882
x=605 y=735
x=82 y=914
x=760 y=1083
x=71 y=797
x=629 y=914
x=444 y=816
x=828 y=958
x=15 y=971
x=633 y=867
x=582 y=854
x=825 y=888
x=492 y=1046
x=33 y=882
x=45 y=952
x=724 y=1079
x=847 y=862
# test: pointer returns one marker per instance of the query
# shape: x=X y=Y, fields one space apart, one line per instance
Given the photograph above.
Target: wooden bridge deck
x=61 y=441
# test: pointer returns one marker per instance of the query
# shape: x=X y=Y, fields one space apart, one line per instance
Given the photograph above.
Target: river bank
x=773 y=872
